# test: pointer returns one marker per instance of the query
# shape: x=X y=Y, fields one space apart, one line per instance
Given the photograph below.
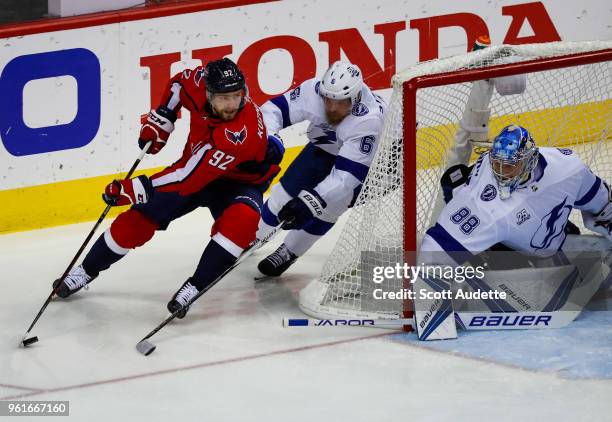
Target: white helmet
x=342 y=80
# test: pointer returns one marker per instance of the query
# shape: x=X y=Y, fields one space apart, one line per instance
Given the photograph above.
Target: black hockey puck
x=145 y=347
x=28 y=341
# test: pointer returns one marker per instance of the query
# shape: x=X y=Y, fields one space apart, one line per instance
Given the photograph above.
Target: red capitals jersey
x=214 y=148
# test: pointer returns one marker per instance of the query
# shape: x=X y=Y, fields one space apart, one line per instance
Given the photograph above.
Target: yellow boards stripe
x=69 y=202
x=560 y=127
x=80 y=200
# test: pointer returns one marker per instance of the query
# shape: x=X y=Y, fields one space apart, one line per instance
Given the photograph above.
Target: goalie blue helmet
x=513 y=157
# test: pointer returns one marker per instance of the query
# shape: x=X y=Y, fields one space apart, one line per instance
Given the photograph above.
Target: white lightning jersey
x=353 y=141
x=532 y=220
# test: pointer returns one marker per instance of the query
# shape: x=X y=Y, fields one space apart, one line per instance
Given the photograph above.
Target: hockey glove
x=156 y=129
x=261 y=172
x=128 y=192
x=276 y=149
x=301 y=209
x=274 y=155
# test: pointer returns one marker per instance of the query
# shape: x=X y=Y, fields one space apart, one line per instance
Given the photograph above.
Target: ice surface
x=231 y=360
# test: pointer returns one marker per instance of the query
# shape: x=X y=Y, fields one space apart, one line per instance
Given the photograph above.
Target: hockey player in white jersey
x=521 y=196
x=516 y=197
x=346 y=119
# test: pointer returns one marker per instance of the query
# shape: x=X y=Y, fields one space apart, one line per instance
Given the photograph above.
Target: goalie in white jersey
x=520 y=196
x=346 y=119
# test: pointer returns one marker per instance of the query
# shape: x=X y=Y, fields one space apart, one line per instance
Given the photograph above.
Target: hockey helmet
x=341 y=81
x=223 y=76
x=513 y=157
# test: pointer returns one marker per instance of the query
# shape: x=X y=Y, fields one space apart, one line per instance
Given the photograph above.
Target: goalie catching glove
x=301 y=209
x=128 y=192
x=157 y=127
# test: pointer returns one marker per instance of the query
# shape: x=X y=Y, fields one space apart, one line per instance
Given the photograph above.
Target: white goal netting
x=568 y=107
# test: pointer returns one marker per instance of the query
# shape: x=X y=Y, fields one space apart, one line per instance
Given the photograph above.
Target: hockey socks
x=214 y=261
x=101 y=256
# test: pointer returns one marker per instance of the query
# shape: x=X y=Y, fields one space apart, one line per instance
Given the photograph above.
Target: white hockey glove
x=510 y=85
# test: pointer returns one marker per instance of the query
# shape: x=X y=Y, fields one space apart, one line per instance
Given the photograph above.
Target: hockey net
x=567 y=104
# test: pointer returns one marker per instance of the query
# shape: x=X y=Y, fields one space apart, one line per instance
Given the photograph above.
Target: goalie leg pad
x=132 y=229
x=433 y=309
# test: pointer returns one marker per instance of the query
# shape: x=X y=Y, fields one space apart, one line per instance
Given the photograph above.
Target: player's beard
x=334 y=118
x=228 y=114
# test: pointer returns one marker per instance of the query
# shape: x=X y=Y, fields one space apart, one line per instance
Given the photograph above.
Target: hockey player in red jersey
x=226 y=165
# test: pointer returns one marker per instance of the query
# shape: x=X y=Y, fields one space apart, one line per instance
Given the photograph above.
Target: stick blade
x=145 y=347
x=28 y=341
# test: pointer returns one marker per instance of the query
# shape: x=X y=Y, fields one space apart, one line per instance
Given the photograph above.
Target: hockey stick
x=356 y=322
x=465 y=320
x=27 y=341
x=145 y=347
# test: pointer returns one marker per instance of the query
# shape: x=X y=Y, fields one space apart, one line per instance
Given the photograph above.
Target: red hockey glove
x=128 y=192
x=156 y=129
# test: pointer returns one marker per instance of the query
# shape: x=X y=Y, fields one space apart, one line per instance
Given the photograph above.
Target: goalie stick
x=145 y=347
x=27 y=341
x=465 y=320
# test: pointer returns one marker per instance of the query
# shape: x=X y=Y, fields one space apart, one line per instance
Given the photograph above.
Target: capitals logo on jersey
x=236 y=137
x=199 y=76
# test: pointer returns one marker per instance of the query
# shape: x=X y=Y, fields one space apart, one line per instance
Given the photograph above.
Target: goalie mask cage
x=567 y=104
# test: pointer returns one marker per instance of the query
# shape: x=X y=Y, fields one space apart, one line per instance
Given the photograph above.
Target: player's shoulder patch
x=565 y=151
x=199 y=76
x=489 y=193
x=360 y=109
x=522 y=216
x=295 y=94
x=316 y=87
